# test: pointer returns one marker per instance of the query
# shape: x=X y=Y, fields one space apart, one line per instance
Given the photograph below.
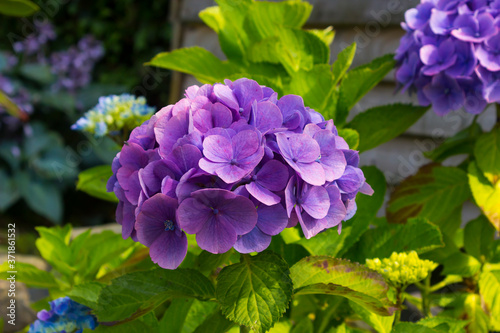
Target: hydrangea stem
x=425 y=296
x=244 y=329
x=400 y=298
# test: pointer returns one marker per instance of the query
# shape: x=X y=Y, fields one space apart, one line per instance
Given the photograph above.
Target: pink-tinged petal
x=334 y=164
x=192 y=215
x=209 y=166
x=169 y=249
x=184 y=158
x=168 y=186
x=217 y=148
x=202 y=120
x=312 y=173
x=221 y=116
x=337 y=210
x=133 y=156
x=245 y=144
x=152 y=175
x=123 y=175
x=291 y=195
x=262 y=194
x=225 y=95
x=150 y=221
x=315 y=201
x=134 y=188
x=266 y=116
x=340 y=143
x=366 y=189
x=310 y=226
x=272 y=219
x=247 y=91
x=167 y=132
x=231 y=173
x=273 y=175
x=429 y=54
x=240 y=212
x=126 y=218
x=312 y=129
x=216 y=236
x=304 y=148
x=254 y=241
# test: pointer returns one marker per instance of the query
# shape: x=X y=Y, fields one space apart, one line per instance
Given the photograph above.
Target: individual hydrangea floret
x=65 y=315
x=450 y=53
x=234 y=165
x=402 y=269
x=114 y=113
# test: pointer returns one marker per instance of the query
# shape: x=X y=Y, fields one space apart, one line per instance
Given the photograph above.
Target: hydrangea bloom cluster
x=33 y=43
x=74 y=66
x=402 y=269
x=65 y=315
x=114 y=113
x=234 y=165
x=450 y=54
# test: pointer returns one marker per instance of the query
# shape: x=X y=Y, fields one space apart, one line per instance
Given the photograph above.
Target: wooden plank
x=374 y=13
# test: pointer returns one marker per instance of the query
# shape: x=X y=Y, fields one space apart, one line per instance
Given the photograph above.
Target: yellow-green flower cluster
x=402 y=269
x=113 y=113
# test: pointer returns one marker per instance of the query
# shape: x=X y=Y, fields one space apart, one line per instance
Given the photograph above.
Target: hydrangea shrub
x=234 y=165
x=450 y=54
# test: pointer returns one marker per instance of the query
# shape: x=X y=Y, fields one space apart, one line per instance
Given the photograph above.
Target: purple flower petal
x=272 y=219
x=314 y=200
x=262 y=194
x=254 y=241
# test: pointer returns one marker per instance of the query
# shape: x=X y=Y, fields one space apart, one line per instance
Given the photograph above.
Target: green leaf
x=198 y=314
x=290 y=252
x=196 y=61
x=18 y=8
x=174 y=317
x=39 y=73
x=461 y=143
x=9 y=192
x=28 y=274
x=43 y=197
x=233 y=38
x=340 y=277
x=268 y=19
x=487 y=152
x=351 y=136
x=383 y=123
x=303 y=326
x=382 y=324
x=486 y=193
x=417 y=235
x=147 y=323
x=255 y=292
x=434 y=192
x=133 y=295
x=326 y=35
x=445 y=324
x=412 y=328
x=343 y=62
x=330 y=242
x=86 y=293
x=489 y=287
x=93 y=182
x=479 y=236
x=216 y=323
x=358 y=81
x=53 y=247
x=315 y=86
x=12 y=107
x=96 y=250
x=461 y=264
x=474 y=313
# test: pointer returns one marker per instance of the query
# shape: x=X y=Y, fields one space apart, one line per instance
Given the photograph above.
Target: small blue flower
x=114 y=113
x=65 y=315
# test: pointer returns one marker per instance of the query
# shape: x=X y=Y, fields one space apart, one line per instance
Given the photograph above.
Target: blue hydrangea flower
x=450 y=52
x=65 y=315
x=234 y=165
x=114 y=113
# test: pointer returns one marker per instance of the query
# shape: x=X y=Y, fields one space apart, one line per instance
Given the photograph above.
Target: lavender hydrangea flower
x=65 y=315
x=450 y=53
x=234 y=165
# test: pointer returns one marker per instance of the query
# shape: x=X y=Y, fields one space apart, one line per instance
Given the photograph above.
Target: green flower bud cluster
x=113 y=113
x=402 y=269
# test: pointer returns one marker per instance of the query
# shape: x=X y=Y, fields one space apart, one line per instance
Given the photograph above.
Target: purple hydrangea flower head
x=453 y=46
x=234 y=165
x=65 y=315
